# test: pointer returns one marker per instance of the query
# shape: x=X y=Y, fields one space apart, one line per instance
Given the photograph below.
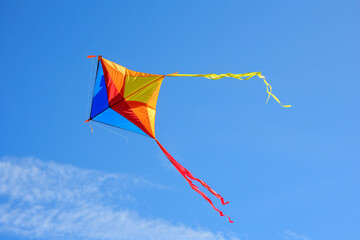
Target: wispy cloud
x=49 y=200
x=295 y=236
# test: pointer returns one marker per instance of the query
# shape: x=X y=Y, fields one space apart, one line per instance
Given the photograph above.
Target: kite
x=127 y=99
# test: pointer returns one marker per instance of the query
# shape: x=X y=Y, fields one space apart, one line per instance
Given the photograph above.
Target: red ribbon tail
x=188 y=177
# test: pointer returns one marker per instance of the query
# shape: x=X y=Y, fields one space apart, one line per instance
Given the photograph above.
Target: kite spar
x=127 y=99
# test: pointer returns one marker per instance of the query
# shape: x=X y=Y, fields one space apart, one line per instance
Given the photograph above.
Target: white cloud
x=47 y=200
x=294 y=236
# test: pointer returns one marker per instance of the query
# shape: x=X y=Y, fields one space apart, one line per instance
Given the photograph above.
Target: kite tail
x=187 y=175
x=237 y=76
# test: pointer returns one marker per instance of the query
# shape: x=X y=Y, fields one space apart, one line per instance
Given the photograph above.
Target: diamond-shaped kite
x=127 y=99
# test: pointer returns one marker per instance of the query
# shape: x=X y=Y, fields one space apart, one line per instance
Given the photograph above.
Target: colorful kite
x=127 y=99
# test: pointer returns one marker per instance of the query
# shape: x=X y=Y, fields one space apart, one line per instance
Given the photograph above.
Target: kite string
x=100 y=125
x=92 y=130
x=186 y=174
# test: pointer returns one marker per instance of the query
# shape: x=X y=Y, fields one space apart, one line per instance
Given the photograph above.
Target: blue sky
x=289 y=174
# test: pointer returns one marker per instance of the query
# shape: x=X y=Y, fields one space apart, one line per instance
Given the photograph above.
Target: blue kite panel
x=100 y=98
x=113 y=118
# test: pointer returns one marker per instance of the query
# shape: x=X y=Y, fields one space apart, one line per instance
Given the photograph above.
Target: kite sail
x=127 y=99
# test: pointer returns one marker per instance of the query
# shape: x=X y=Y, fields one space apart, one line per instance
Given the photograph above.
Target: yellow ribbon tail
x=242 y=76
x=269 y=91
